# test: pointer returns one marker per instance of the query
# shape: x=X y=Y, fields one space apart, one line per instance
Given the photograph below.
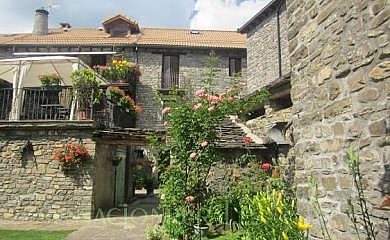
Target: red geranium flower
x=71 y=154
x=266 y=166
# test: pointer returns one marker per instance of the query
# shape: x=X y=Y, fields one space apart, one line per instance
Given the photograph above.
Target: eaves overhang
x=264 y=13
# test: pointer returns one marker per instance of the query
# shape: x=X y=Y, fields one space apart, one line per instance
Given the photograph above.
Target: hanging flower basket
x=71 y=155
x=139 y=164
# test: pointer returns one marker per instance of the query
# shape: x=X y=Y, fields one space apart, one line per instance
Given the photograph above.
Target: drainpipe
x=136 y=54
x=279 y=41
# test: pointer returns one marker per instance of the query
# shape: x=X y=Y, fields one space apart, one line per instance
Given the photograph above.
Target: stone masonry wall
x=262 y=47
x=32 y=185
x=340 y=60
x=192 y=65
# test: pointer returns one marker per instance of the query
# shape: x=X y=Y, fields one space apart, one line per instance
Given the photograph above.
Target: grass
x=227 y=236
x=32 y=235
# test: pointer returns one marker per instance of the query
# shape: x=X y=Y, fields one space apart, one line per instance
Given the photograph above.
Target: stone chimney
x=41 y=23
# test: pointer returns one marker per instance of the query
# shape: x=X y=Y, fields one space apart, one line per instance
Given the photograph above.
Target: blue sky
x=18 y=15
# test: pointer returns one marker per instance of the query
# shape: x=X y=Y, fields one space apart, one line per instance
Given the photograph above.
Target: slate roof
x=157 y=37
x=261 y=16
x=231 y=134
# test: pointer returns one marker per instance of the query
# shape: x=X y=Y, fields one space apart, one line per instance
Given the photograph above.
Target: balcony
x=38 y=104
x=171 y=80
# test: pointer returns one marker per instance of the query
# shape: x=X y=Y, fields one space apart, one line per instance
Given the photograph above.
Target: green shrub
x=269 y=215
x=155 y=233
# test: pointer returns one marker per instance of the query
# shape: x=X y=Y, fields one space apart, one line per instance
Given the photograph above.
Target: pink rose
x=240 y=84
x=204 y=144
x=193 y=155
x=211 y=109
x=166 y=110
x=200 y=93
x=197 y=106
x=190 y=198
x=247 y=139
x=230 y=99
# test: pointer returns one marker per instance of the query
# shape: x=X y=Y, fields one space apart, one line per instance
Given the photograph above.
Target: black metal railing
x=35 y=104
x=56 y=105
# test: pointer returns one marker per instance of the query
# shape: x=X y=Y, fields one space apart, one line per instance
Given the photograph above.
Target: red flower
x=71 y=154
x=266 y=166
x=247 y=139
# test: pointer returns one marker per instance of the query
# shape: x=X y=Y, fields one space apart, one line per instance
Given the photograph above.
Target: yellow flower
x=302 y=225
x=284 y=235
x=279 y=210
x=279 y=199
x=263 y=219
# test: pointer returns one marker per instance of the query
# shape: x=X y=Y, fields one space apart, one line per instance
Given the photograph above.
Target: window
x=170 y=72
x=98 y=60
x=234 y=66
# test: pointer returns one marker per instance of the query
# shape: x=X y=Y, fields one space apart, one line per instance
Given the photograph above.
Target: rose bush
x=192 y=135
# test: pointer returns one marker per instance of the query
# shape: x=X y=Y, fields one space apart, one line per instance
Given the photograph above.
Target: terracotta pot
x=84 y=114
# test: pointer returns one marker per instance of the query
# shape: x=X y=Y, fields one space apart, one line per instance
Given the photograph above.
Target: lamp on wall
x=118 y=157
x=116 y=160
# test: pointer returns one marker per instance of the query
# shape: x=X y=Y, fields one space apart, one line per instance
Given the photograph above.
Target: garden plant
x=188 y=155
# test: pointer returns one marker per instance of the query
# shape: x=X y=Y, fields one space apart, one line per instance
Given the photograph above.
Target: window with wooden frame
x=170 y=72
x=234 y=66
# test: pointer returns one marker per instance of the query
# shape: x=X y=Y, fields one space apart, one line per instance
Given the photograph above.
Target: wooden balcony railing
x=171 y=80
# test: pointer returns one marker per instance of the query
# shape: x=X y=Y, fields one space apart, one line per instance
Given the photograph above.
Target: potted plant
x=71 y=155
x=86 y=90
x=119 y=97
x=139 y=164
x=138 y=181
x=119 y=71
x=150 y=184
x=114 y=93
x=50 y=80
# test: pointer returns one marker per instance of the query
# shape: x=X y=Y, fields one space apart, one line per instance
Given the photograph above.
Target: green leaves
x=191 y=122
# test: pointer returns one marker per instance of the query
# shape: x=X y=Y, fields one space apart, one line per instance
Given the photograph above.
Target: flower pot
x=149 y=191
x=201 y=231
x=84 y=114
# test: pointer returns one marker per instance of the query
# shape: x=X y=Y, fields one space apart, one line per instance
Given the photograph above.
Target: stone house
x=331 y=59
x=269 y=64
x=32 y=186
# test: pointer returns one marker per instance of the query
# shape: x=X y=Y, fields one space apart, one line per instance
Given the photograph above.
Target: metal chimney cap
x=42 y=11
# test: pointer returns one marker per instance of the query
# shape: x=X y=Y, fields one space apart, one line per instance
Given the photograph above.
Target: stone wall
x=192 y=66
x=261 y=125
x=339 y=54
x=262 y=48
x=32 y=185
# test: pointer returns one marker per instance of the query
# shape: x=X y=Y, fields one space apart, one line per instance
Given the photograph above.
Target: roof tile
x=148 y=37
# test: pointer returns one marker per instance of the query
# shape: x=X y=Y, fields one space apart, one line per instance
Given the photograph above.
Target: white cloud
x=18 y=15
x=224 y=14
